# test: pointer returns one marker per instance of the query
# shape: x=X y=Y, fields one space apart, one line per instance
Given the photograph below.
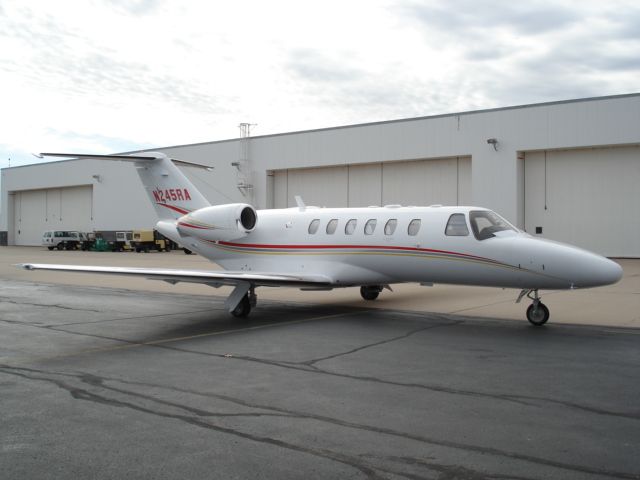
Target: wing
x=207 y=277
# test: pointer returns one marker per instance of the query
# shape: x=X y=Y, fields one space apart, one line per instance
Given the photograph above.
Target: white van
x=62 y=239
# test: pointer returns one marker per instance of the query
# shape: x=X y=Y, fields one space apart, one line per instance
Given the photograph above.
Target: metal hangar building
x=569 y=171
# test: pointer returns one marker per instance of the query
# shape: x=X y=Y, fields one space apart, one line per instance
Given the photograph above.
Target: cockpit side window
x=457 y=226
x=486 y=223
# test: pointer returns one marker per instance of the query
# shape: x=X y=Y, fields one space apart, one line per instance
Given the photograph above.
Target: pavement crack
x=518 y=399
x=311 y=363
x=83 y=394
x=49 y=305
x=136 y=317
x=99 y=382
x=446 y=472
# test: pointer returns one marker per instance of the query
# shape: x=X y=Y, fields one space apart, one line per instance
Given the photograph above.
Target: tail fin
x=170 y=191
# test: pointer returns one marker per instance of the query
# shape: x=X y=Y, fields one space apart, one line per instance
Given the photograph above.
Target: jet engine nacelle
x=219 y=222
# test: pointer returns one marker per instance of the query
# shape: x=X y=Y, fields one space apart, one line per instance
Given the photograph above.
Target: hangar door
x=444 y=181
x=36 y=211
x=587 y=197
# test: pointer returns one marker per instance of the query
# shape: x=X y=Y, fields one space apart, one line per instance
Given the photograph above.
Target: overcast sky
x=111 y=76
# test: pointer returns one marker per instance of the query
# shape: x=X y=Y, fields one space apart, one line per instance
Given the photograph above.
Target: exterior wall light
x=494 y=142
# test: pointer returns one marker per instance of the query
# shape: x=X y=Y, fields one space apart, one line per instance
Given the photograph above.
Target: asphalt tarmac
x=111 y=383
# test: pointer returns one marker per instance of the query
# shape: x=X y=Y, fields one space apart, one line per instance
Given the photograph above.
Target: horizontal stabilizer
x=129 y=158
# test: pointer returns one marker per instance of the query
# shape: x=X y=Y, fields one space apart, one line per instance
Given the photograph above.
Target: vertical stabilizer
x=171 y=193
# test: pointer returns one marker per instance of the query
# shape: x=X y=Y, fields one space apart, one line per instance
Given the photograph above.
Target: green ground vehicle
x=101 y=245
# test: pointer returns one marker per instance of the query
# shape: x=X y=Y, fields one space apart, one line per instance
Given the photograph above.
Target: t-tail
x=171 y=193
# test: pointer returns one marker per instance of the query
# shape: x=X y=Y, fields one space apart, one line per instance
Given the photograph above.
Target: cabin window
x=414 y=227
x=370 y=226
x=350 y=227
x=486 y=223
x=390 y=226
x=457 y=226
x=313 y=226
x=331 y=226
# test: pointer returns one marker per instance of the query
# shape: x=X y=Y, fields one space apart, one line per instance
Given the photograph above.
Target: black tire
x=243 y=309
x=538 y=316
x=369 y=292
x=60 y=246
x=50 y=248
x=187 y=251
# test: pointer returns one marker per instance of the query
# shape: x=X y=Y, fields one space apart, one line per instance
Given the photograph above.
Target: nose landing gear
x=537 y=313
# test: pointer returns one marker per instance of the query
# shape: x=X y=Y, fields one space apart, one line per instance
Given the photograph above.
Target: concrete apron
x=615 y=305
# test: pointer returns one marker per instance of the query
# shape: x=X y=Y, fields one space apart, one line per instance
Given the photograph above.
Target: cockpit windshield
x=486 y=223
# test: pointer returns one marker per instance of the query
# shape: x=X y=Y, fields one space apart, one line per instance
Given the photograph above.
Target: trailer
x=147 y=240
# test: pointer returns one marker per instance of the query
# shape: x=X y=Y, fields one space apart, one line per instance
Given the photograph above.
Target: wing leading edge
x=212 y=278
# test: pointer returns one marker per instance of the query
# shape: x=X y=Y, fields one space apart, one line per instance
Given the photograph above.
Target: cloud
x=473 y=18
x=163 y=73
x=312 y=65
x=135 y=7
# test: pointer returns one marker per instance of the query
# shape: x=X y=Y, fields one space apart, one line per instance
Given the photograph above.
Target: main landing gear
x=242 y=300
x=537 y=313
x=371 y=292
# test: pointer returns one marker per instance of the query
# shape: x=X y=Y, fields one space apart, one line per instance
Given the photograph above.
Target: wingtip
x=25 y=266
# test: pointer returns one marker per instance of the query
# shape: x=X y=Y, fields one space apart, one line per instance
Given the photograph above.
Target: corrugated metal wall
x=36 y=211
x=423 y=182
x=586 y=197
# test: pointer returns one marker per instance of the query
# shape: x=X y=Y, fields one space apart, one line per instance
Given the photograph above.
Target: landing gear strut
x=243 y=309
x=537 y=313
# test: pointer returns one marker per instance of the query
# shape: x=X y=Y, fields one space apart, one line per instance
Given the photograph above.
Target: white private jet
x=325 y=248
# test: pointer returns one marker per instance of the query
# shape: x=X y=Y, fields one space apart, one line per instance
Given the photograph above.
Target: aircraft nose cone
x=596 y=271
x=608 y=272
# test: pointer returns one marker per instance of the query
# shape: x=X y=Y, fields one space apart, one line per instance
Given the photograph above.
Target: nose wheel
x=537 y=312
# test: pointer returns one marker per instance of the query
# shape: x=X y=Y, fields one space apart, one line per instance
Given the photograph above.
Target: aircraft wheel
x=243 y=309
x=538 y=315
x=50 y=248
x=369 y=292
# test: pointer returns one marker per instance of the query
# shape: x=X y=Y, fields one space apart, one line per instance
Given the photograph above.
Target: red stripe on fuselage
x=328 y=247
x=188 y=225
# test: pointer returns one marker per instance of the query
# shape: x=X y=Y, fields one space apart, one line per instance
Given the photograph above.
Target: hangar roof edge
x=408 y=119
x=366 y=124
